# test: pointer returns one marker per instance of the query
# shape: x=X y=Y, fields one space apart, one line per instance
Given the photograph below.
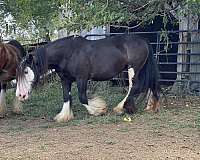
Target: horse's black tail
x=148 y=77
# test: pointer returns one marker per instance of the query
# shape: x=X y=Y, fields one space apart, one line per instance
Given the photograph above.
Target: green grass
x=46 y=101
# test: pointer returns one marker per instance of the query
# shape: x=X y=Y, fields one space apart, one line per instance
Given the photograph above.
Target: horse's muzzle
x=23 y=97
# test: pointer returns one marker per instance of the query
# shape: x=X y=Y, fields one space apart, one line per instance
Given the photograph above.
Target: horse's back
x=130 y=47
x=105 y=58
x=97 y=59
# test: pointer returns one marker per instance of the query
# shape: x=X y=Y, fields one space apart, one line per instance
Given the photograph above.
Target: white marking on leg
x=96 y=106
x=119 y=108
x=2 y=103
x=66 y=113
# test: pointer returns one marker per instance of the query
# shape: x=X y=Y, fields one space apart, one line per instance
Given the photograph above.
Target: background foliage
x=36 y=18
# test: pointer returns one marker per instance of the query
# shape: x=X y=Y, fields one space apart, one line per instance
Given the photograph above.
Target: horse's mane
x=38 y=63
x=41 y=60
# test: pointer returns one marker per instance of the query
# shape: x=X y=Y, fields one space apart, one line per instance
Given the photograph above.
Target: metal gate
x=174 y=66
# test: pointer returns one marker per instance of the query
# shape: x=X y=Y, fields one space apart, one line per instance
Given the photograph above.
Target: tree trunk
x=195 y=48
x=188 y=22
x=182 y=56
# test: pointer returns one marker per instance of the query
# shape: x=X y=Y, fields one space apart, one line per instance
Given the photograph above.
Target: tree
x=48 y=15
x=89 y=13
x=35 y=18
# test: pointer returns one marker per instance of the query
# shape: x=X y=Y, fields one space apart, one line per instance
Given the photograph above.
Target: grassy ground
x=46 y=101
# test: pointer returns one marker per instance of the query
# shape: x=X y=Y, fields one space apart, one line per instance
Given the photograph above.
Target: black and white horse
x=76 y=59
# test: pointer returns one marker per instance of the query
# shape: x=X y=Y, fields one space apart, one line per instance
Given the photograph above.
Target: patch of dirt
x=110 y=141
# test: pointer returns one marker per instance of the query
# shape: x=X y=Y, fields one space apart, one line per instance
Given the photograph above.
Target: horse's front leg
x=95 y=106
x=2 y=100
x=66 y=113
x=17 y=106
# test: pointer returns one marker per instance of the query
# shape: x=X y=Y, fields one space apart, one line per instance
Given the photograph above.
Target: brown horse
x=10 y=55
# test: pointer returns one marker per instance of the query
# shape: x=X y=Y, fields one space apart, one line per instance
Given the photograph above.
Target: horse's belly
x=107 y=64
x=103 y=75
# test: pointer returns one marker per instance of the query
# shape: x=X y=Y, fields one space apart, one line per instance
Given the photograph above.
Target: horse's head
x=26 y=77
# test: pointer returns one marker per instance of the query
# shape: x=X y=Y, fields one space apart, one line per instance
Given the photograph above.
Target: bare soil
x=37 y=138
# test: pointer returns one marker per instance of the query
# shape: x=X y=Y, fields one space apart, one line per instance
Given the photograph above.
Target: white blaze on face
x=24 y=84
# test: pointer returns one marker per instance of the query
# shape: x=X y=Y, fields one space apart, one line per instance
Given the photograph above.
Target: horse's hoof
x=147 y=110
x=156 y=110
x=96 y=106
x=2 y=114
x=152 y=110
x=118 y=111
x=130 y=110
x=17 y=112
x=98 y=112
x=17 y=107
x=60 y=118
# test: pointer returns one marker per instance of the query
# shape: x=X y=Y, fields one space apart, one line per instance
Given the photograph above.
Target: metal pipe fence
x=178 y=59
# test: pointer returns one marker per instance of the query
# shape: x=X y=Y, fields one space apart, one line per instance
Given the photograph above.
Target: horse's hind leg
x=2 y=100
x=120 y=107
x=95 y=106
x=153 y=101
